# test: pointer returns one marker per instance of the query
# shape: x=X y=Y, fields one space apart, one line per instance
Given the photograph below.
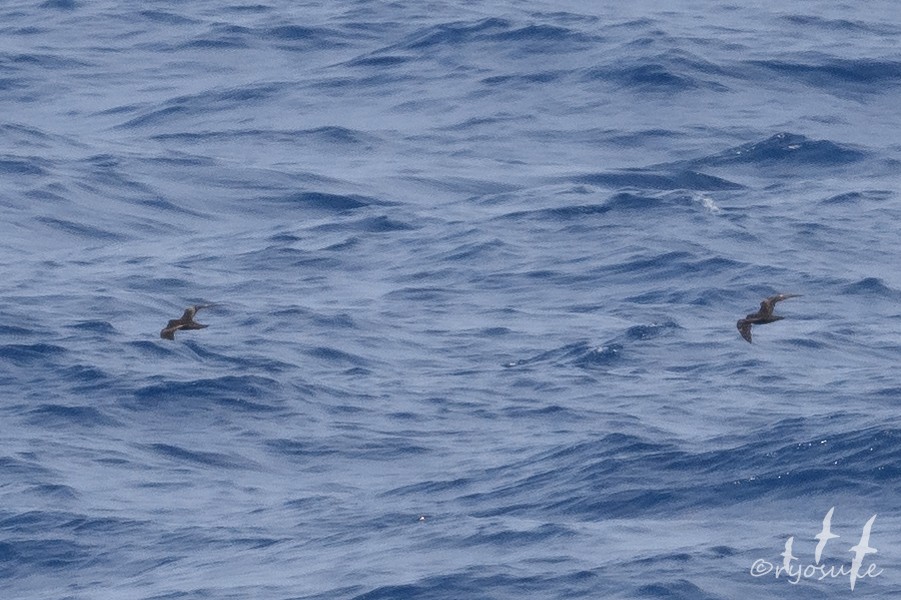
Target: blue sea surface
x=475 y=270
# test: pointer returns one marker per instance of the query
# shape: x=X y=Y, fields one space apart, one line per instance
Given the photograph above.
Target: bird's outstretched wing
x=168 y=332
x=767 y=306
x=744 y=328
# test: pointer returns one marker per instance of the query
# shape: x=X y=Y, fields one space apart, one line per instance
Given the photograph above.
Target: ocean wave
x=835 y=75
x=477 y=268
x=786 y=149
x=640 y=179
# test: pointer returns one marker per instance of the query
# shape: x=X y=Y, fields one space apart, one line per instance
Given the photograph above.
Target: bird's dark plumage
x=762 y=316
x=185 y=322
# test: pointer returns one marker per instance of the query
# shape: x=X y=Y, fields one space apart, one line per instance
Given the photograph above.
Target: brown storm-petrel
x=762 y=316
x=185 y=322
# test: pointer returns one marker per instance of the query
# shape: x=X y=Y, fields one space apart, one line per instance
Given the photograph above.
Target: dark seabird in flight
x=185 y=322
x=762 y=316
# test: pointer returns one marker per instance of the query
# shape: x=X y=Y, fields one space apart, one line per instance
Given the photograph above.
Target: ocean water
x=476 y=269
